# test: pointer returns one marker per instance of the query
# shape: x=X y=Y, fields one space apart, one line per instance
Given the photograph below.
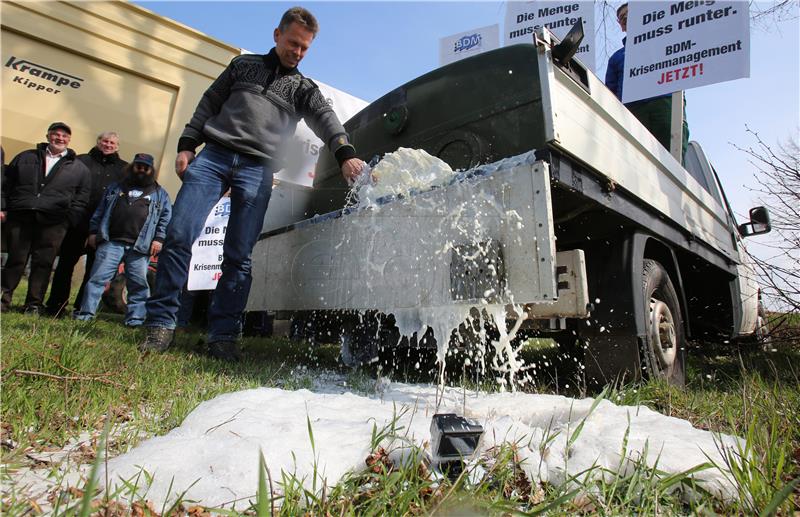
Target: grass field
x=61 y=378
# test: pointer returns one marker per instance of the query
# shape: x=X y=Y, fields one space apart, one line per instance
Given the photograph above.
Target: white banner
x=303 y=148
x=468 y=43
x=523 y=18
x=204 y=268
x=673 y=46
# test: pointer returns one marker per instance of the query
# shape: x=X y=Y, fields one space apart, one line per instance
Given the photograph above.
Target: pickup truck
x=570 y=215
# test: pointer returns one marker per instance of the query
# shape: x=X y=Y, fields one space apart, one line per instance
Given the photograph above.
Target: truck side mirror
x=759 y=222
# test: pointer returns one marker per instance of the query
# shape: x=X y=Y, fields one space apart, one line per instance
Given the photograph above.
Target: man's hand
x=155 y=248
x=2 y=217
x=92 y=241
x=182 y=162
x=351 y=169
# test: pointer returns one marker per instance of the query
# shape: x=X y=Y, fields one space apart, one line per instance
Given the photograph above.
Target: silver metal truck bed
x=486 y=238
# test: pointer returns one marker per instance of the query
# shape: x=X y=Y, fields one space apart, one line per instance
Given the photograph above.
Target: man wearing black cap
x=128 y=226
x=45 y=190
x=244 y=119
x=105 y=167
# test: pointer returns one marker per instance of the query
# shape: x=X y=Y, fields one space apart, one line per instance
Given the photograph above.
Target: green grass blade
x=552 y=505
x=779 y=497
x=264 y=497
x=579 y=428
x=91 y=484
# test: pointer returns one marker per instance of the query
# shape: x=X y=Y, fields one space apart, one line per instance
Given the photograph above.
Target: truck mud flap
x=483 y=239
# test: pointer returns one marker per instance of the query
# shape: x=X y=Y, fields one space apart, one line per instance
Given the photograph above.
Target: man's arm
x=97 y=216
x=323 y=121
x=210 y=104
x=614 y=72
x=7 y=184
x=81 y=198
x=163 y=219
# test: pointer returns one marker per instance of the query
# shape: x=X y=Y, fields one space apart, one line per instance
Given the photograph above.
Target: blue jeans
x=106 y=262
x=208 y=177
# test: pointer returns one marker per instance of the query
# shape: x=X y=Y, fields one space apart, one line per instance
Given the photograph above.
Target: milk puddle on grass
x=215 y=452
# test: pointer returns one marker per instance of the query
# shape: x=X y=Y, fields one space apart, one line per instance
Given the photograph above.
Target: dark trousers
x=656 y=116
x=28 y=237
x=72 y=249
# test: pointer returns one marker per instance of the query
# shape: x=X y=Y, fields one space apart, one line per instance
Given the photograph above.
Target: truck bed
x=487 y=237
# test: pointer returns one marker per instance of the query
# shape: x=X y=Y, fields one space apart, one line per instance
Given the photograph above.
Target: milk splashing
x=399 y=174
x=405 y=172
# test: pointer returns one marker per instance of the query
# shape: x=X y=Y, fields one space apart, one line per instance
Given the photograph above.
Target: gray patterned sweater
x=255 y=105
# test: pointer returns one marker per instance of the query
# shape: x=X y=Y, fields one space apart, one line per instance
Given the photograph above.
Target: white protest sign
x=204 y=268
x=302 y=150
x=673 y=46
x=468 y=43
x=523 y=18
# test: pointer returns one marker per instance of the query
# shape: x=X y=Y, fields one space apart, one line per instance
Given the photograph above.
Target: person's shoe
x=58 y=311
x=225 y=350
x=32 y=310
x=158 y=339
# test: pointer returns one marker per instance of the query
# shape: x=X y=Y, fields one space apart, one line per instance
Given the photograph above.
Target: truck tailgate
x=486 y=238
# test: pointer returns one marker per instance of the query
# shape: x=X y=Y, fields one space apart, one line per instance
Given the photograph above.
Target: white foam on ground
x=216 y=449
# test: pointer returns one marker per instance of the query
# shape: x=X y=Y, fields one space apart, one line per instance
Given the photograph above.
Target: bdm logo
x=467 y=42
x=49 y=79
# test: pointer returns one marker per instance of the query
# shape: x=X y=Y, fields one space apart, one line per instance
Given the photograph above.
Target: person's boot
x=32 y=310
x=158 y=339
x=225 y=350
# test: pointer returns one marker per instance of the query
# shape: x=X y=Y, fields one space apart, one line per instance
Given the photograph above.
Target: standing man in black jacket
x=245 y=119
x=44 y=191
x=105 y=167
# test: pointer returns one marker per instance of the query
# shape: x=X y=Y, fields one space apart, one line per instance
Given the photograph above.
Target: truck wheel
x=115 y=296
x=665 y=348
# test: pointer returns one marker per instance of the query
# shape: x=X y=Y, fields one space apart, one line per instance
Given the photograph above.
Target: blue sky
x=369 y=48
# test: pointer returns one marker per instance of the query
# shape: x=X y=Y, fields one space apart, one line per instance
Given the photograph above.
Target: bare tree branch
x=778 y=177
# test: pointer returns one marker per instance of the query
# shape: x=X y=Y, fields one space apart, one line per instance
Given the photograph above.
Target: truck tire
x=664 y=354
x=115 y=296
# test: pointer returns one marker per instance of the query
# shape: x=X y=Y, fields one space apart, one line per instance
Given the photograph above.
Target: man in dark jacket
x=244 y=118
x=105 y=167
x=44 y=191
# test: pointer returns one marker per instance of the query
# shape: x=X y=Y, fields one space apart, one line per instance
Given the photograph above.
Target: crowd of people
x=55 y=203
x=59 y=204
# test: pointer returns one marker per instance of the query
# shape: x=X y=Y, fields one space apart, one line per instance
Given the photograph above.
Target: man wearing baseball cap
x=129 y=225
x=45 y=190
